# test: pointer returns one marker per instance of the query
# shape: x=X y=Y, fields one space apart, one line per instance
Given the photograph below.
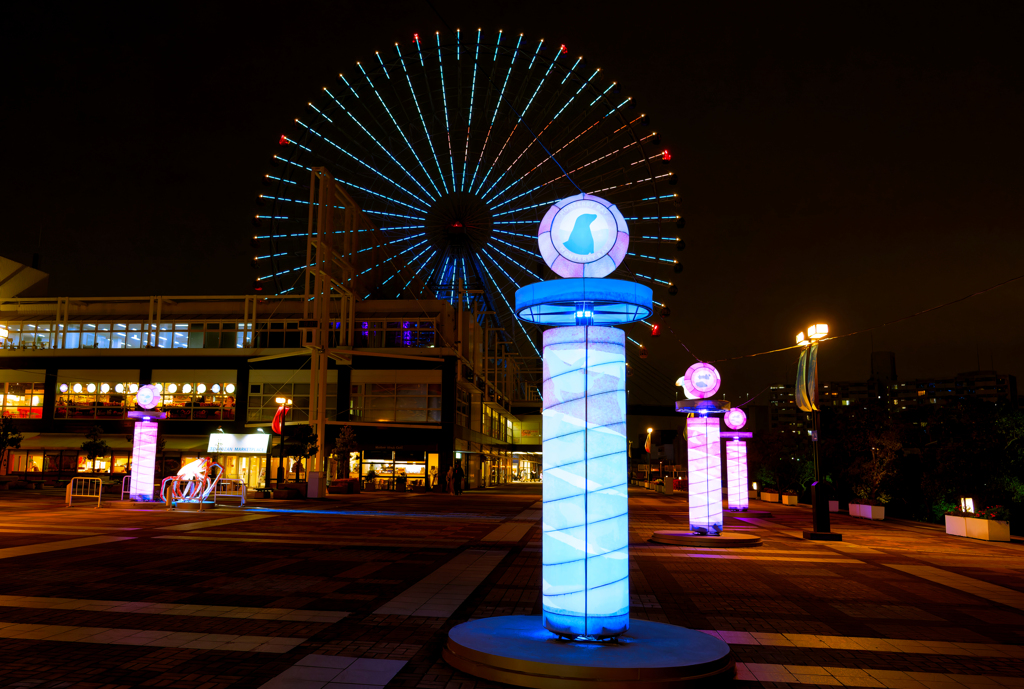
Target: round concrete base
x=754 y=514
x=518 y=650
x=728 y=539
x=137 y=505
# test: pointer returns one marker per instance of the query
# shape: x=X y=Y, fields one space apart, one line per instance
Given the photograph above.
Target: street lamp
x=806 y=394
x=283 y=405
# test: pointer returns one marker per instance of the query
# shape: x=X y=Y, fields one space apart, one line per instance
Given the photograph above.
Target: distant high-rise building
x=883 y=366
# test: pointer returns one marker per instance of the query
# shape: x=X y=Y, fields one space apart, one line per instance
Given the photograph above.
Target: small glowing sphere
x=133 y=388
x=215 y=388
x=63 y=387
x=701 y=381
x=186 y=388
x=91 y=387
x=201 y=388
x=229 y=388
x=172 y=388
x=735 y=419
x=104 y=388
x=148 y=396
x=119 y=388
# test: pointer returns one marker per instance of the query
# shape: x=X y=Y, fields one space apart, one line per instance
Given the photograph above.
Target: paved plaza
x=360 y=591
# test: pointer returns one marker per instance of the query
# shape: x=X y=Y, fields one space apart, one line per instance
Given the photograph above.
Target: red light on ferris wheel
x=563 y=49
x=416 y=37
x=666 y=156
x=283 y=140
x=655 y=330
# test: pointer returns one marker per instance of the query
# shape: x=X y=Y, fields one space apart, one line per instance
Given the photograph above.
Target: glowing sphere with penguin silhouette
x=583 y=236
x=735 y=418
x=700 y=382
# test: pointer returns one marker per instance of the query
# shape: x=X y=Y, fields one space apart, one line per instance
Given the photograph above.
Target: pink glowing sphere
x=700 y=381
x=735 y=419
x=147 y=397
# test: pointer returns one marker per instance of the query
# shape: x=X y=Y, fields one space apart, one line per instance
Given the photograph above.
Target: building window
x=263 y=401
x=403 y=333
x=94 y=399
x=397 y=402
x=197 y=400
x=21 y=400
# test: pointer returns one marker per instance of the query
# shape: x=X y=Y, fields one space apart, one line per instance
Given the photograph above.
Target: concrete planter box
x=981 y=529
x=875 y=512
x=769 y=497
x=789 y=499
x=667 y=488
x=659 y=489
x=833 y=505
x=752 y=494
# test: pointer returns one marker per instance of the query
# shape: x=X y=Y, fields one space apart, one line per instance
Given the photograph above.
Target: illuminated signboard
x=147 y=397
x=250 y=444
x=583 y=236
x=735 y=419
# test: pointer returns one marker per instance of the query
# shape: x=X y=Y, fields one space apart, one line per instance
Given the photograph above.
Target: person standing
x=450 y=480
x=458 y=474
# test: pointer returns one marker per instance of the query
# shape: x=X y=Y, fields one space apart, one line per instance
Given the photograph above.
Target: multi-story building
x=884 y=391
x=416 y=400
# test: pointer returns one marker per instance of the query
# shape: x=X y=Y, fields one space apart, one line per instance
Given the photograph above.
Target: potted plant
x=789 y=497
x=870 y=508
x=770 y=495
x=659 y=486
x=877 y=473
x=991 y=524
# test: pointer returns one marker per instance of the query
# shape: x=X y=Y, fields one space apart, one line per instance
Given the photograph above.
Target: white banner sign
x=252 y=443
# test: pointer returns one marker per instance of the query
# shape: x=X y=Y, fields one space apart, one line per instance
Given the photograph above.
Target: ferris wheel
x=455 y=147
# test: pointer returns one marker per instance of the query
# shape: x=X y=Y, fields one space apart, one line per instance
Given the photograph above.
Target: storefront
x=395 y=468
x=527 y=467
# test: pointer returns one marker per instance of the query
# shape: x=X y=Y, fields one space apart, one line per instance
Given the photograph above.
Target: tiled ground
x=360 y=591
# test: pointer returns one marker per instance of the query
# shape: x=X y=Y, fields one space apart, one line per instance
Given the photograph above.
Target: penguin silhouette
x=581 y=240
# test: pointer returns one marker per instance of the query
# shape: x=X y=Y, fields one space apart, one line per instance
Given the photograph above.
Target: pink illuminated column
x=143 y=460
x=736 y=468
x=144 y=443
x=736 y=460
x=704 y=465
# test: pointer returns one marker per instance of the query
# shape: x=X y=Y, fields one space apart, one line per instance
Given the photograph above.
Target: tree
x=343 y=445
x=304 y=443
x=779 y=458
x=10 y=439
x=95 y=447
x=876 y=473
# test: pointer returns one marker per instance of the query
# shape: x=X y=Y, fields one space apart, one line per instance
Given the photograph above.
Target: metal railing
x=84 y=487
x=126 y=485
x=229 y=488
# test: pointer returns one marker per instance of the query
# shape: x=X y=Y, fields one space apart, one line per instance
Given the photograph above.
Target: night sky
x=850 y=163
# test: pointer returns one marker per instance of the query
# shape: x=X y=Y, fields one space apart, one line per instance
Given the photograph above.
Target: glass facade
x=135 y=335
x=402 y=333
x=263 y=404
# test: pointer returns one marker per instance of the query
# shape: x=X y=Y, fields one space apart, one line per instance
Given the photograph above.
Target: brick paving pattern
x=360 y=590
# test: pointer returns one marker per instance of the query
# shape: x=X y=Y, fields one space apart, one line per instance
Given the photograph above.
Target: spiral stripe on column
x=736 y=465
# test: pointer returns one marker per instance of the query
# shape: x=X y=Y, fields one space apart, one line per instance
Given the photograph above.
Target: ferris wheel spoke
x=444 y=103
x=501 y=294
x=364 y=164
x=497 y=107
x=419 y=111
x=366 y=131
x=394 y=241
x=652 y=259
x=522 y=115
x=469 y=118
x=400 y=132
x=425 y=263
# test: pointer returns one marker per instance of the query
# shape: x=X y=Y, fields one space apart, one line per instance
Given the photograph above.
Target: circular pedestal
x=518 y=650
x=755 y=514
x=138 y=504
x=727 y=539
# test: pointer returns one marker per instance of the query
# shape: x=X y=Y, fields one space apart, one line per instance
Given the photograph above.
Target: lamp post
x=283 y=405
x=806 y=393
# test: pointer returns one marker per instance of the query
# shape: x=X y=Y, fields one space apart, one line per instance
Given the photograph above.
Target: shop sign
x=250 y=443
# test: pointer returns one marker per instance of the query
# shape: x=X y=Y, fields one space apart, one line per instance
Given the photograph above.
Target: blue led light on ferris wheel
x=290 y=162
x=419 y=111
x=366 y=165
x=571 y=69
x=494 y=116
x=419 y=51
x=402 y=134
x=603 y=94
x=418 y=271
x=469 y=120
x=501 y=294
x=342 y=77
x=381 y=60
x=535 y=53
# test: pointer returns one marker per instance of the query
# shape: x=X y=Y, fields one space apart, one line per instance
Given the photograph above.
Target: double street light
x=806 y=394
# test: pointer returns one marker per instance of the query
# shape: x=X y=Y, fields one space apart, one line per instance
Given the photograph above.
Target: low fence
x=83 y=487
x=229 y=488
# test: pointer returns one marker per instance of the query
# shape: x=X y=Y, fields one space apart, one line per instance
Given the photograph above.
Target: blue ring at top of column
x=603 y=301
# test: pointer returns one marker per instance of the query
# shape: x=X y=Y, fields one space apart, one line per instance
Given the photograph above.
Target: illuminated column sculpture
x=144 y=443
x=703 y=447
x=736 y=460
x=585 y=536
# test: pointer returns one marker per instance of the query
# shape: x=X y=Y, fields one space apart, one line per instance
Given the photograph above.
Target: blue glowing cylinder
x=585 y=524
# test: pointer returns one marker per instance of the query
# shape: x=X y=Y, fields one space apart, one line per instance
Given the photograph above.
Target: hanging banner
x=800 y=389
x=812 y=376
